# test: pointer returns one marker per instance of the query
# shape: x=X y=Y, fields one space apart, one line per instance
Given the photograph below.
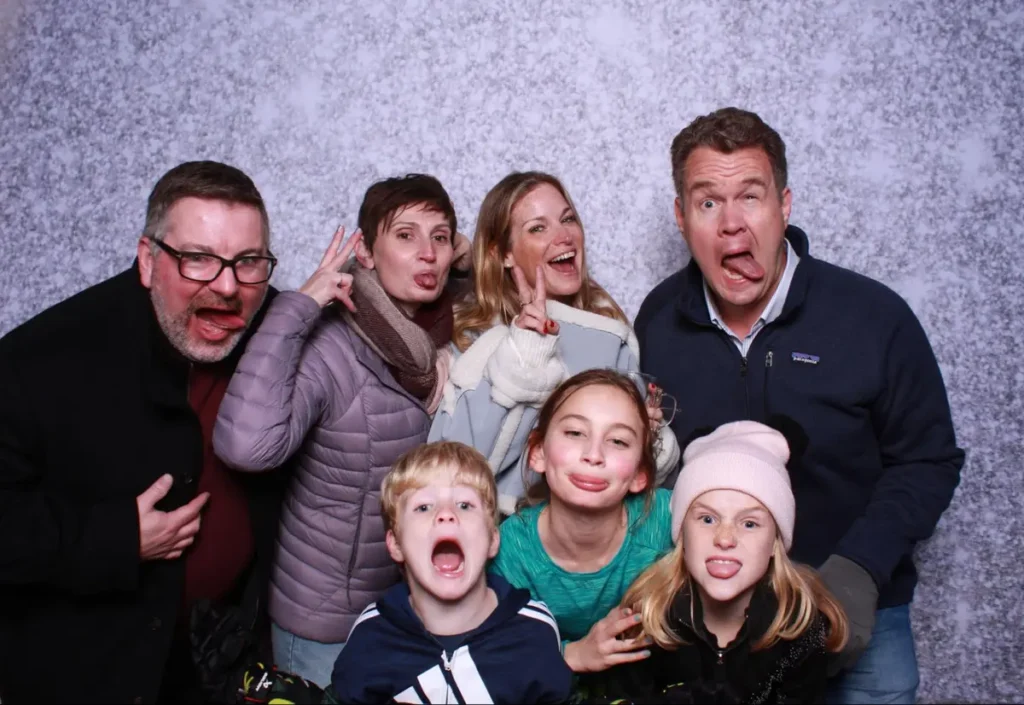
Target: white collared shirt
x=771 y=311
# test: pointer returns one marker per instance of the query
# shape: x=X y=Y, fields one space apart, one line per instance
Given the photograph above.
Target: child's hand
x=603 y=648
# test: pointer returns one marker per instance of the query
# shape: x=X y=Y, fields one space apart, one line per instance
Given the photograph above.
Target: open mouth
x=426 y=280
x=722 y=568
x=448 y=559
x=220 y=318
x=742 y=266
x=216 y=325
x=565 y=263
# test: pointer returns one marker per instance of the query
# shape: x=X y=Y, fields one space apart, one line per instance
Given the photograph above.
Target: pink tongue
x=447 y=558
x=223 y=319
x=744 y=265
x=426 y=281
x=723 y=570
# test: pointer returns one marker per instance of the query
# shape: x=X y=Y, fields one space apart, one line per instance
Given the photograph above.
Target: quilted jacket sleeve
x=276 y=394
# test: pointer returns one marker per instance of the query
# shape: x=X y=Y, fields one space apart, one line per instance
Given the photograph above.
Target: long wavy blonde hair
x=494 y=297
x=798 y=589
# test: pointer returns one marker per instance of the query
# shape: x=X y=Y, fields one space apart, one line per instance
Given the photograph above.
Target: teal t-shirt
x=580 y=600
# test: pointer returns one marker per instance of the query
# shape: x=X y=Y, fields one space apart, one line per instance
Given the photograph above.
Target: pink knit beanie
x=743 y=455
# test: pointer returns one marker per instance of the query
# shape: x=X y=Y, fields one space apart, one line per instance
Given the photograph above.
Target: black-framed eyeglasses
x=205 y=267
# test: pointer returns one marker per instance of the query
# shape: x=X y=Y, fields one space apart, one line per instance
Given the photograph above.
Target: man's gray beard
x=175 y=329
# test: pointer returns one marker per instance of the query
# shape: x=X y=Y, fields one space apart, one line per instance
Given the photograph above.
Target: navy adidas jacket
x=513 y=657
x=849 y=361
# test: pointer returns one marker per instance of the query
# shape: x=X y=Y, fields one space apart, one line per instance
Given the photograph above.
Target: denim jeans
x=310 y=659
x=887 y=670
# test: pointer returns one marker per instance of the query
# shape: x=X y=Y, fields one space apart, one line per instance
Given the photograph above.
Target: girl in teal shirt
x=593 y=521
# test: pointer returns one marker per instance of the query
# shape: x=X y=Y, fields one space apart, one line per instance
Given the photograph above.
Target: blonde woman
x=731 y=617
x=535 y=320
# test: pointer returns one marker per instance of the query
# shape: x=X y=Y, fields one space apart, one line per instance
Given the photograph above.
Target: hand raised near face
x=534 y=314
x=654 y=410
x=328 y=283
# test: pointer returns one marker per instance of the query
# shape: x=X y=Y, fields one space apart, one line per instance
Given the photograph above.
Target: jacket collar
x=396 y=607
x=692 y=304
x=759 y=615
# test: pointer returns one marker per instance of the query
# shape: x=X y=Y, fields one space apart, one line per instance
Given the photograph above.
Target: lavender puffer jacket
x=308 y=386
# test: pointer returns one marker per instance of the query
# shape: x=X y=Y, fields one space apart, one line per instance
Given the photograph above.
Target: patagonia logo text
x=805 y=358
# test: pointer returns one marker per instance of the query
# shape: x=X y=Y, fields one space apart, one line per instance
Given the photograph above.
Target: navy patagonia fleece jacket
x=848 y=360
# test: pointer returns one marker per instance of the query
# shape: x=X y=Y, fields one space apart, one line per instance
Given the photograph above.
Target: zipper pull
x=743 y=367
x=445 y=661
x=721 y=655
x=768 y=359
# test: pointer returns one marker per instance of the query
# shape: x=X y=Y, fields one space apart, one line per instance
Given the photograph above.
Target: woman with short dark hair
x=342 y=378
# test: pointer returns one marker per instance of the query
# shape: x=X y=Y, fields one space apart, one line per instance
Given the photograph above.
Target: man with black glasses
x=130 y=557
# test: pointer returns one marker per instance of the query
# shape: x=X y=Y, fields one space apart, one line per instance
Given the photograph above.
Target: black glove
x=857 y=593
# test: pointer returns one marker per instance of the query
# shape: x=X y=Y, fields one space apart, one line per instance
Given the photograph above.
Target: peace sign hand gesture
x=328 y=283
x=534 y=314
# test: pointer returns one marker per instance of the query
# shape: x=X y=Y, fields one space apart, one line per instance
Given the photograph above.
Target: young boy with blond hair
x=451 y=632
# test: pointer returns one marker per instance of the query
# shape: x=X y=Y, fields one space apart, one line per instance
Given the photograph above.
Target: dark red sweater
x=224 y=545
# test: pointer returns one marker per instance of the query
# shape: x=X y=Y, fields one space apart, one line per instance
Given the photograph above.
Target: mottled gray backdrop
x=903 y=122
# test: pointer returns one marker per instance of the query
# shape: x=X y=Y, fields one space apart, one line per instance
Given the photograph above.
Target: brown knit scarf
x=408 y=345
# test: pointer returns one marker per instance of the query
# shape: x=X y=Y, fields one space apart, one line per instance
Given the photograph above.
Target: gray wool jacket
x=309 y=387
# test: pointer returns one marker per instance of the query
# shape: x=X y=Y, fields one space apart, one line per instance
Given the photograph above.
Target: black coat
x=700 y=672
x=93 y=409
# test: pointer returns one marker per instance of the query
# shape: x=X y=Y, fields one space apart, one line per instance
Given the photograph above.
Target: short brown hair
x=727 y=130
x=208 y=180
x=386 y=199
x=416 y=467
x=537 y=491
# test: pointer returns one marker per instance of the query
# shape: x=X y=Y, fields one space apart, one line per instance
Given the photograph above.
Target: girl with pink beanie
x=731 y=617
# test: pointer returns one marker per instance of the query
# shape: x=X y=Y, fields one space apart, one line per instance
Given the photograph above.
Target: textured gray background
x=903 y=122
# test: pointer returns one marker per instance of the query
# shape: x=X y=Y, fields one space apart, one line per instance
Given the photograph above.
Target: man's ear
x=787 y=205
x=393 y=548
x=678 y=208
x=145 y=255
x=364 y=254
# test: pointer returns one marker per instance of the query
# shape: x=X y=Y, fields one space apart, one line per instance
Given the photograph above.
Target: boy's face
x=445 y=536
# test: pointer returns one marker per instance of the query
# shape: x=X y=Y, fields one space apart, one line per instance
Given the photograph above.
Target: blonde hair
x=800 y=593
x=494 y=288
x=416 y=468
